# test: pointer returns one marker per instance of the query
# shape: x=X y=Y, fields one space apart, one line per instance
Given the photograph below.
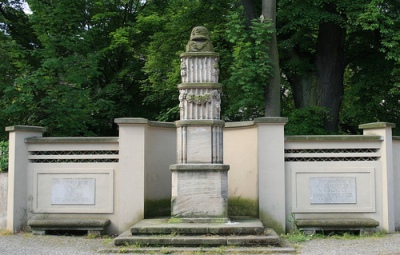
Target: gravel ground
x=389 y=244
x=27 y=244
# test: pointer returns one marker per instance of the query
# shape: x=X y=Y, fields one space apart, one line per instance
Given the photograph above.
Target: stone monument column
x=199 y=179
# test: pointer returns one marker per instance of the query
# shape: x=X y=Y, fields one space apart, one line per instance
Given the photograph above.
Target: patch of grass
x=297 y=237
x=5 y=232
x=107 y=239
x=377 y=234
x=91 y=236
x=352 y=235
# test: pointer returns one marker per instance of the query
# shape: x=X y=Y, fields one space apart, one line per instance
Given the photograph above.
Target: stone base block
x=94 y=227
x=199 y=191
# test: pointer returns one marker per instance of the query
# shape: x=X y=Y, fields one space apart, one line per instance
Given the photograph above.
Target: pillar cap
x=26 y=128
x=375 y=125
x=277 y=120
x=131 y=121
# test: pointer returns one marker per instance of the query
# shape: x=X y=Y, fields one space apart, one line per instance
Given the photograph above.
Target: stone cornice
x=199 y=167
x=183 y=123
x=375 y=125
x=72 y=140
x=199 y=54
x=26 y=128
x=200 y=85
x=321 y=138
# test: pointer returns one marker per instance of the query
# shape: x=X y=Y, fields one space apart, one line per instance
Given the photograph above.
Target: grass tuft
x=5 y=232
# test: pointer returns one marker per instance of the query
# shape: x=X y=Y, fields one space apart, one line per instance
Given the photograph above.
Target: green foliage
x=3 y=156
x=297 y=237
x=371 y=48
x=73 y=66
x=249 y=67
x=168 y=24
x=307 y=121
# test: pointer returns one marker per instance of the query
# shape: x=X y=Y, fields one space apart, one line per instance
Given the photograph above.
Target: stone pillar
x=384 y=129
x=271 y=172
x=199 y=179
x=17 y=175
x=129 y=179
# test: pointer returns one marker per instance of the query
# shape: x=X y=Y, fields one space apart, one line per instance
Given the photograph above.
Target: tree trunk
x=273 y=88
x=250 y=10
x=323 y=85
x=305 y=89
x=330 y=64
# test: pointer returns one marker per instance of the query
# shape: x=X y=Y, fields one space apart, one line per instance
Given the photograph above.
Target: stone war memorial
x=201 y=182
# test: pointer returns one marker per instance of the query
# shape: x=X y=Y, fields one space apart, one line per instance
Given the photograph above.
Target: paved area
x=27 y=244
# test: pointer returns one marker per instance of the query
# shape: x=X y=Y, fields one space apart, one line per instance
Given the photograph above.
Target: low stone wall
x=3 y=199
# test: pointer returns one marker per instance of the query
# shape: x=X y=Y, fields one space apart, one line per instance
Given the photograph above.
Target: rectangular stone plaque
x=333 y=190
x=73 y=191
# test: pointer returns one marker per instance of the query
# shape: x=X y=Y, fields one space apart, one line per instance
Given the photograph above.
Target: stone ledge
x=272 y=120
x=195 y=123
x=26 y=128
x=240 y=124
x=375 y=125
x=96 y=227
x=141 y=121
x=167 y=226
x=333 y=224
x=72 y=140
x=200 y=54
x=320 y=138
x=199 y=167
x=200 y=85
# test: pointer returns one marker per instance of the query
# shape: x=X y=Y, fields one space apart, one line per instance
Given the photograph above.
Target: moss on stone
x=242 y=207
x=175 y=220
x=270 y=222
x=157 y=208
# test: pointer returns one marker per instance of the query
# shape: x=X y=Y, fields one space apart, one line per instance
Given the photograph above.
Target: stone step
x=268 y=238
x=167 y=226
x=284 y=248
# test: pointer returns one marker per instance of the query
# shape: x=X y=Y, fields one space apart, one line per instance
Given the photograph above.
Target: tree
x=272 y=85
x=73 y=66
x=319 y=41
x=273 y=89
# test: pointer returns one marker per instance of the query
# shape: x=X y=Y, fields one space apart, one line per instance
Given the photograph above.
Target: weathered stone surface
x=96 y=226
x=337 y=222
x=236 y=226
x=199 y=183
x=199 y=40
x=199 y=193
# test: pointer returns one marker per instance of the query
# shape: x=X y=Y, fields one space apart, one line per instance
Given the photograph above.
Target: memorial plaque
x=72 y=191
x=333 y=190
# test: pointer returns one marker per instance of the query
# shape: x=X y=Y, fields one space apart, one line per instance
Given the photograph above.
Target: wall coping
x=25 y=128
x=261 y=120
x=320 y=138
x=397 y=138
x=375 y=125
x=249 y=123
x=280 y=120
x=72 y=140
x=139 y=121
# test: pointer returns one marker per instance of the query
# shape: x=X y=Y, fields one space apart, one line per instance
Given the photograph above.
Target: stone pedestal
x=200 y=192
x=199 y=179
